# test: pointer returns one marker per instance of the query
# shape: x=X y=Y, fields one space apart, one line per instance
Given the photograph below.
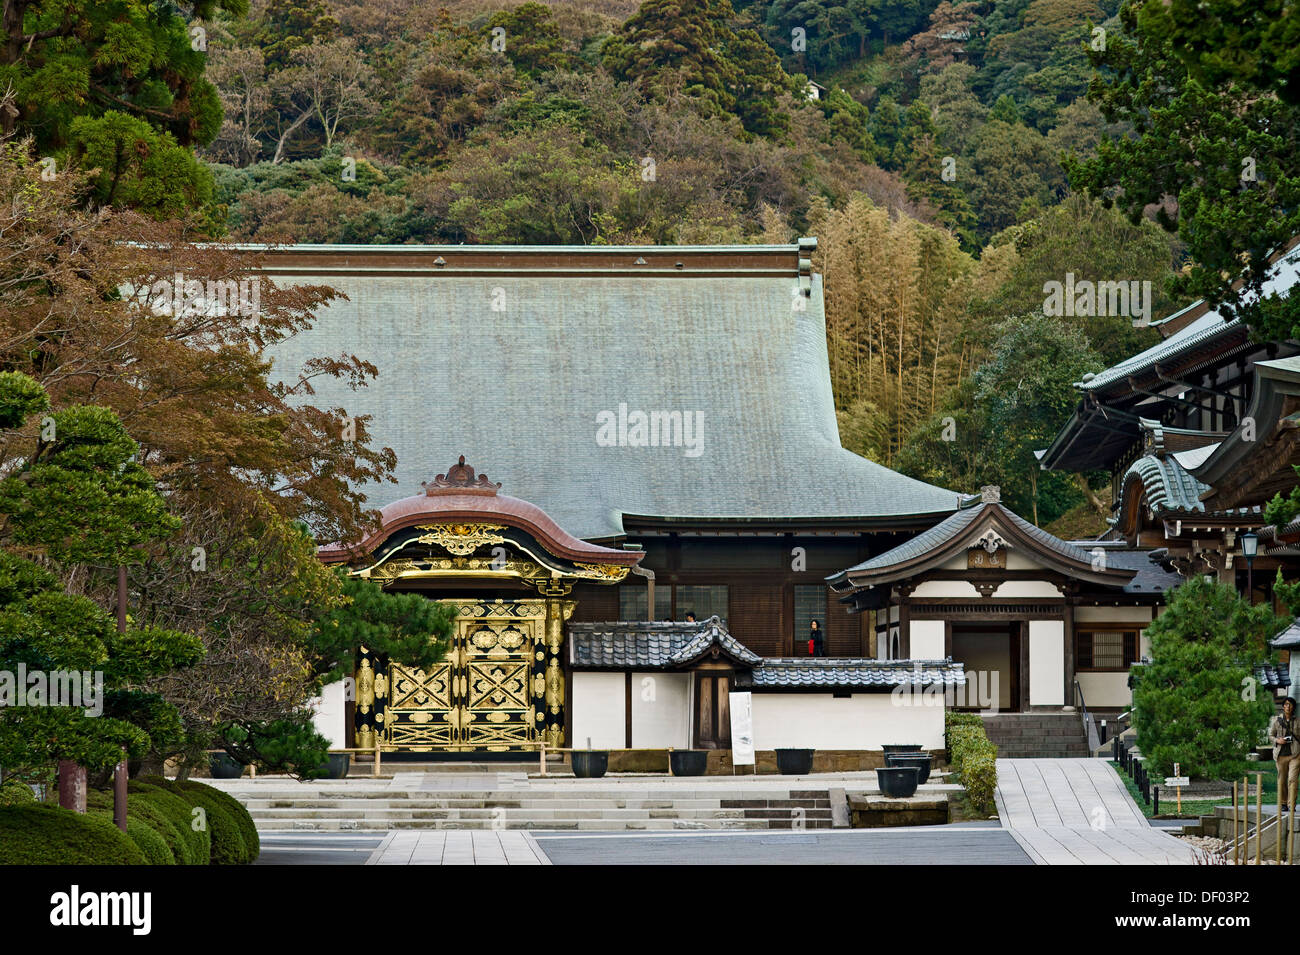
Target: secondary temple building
x=669 y=509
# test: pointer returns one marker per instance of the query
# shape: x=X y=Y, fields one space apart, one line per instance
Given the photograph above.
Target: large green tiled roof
x=517 y=388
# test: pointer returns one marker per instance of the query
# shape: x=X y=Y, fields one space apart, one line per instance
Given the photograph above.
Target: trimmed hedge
x=152 y=846
x=195 y=844
x=974 y=757
x=247 y=828
x=228 y=844
x=38 y=834
x=140 y=807
x=164 y=809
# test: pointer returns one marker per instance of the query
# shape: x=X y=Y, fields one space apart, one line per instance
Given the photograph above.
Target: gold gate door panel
x=481 y=697
x=498 y=703
x=420 y=708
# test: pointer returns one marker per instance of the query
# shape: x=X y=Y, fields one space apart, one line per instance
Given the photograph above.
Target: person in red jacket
x=816 y=643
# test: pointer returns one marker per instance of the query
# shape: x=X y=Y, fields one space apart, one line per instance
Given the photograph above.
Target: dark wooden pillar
x=904 y=624
x=1024 y=666
x=627 y=703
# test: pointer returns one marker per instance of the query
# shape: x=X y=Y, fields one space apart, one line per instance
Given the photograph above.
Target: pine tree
x=1196 y=703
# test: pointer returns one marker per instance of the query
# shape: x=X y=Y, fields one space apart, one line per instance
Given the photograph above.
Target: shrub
x=980 y=777
x=973 y=756
x=228 y=845
x=147 y=839
x=139 y=806
x=47 y=835
x=1190 y=703
x=247 y=828
x=14 y=792
x=195 y=843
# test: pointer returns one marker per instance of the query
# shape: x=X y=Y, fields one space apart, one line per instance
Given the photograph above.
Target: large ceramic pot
x=897 y=782
x=688 y=762
x=224 y=767
x=922 y=761
x=794 y=762
x=901 y=748
x=590 y=763
x=337 y=765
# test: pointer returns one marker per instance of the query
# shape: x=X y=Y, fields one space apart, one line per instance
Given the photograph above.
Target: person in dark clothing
x=816 y=641
x=1284 y=732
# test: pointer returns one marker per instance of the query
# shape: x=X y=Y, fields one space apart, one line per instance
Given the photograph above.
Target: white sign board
x=742 y=729
x=1178 y=781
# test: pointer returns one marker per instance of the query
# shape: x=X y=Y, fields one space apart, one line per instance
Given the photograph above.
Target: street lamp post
x=1249 y=548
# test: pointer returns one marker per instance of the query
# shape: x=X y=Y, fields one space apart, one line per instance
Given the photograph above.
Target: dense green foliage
x=79 y=497
x=973 y=757
x=117 y=86
x=408 y=627
x=1196 y=703
x=183 y=823
x=47 y=835
x=1224 y=154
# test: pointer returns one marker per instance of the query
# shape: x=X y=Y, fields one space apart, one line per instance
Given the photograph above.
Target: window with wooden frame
x=809 y=605
x=1111 y=649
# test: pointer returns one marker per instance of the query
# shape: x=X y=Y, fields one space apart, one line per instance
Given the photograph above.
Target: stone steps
x=544 y=805
x=569 y=825
x=1037 y=735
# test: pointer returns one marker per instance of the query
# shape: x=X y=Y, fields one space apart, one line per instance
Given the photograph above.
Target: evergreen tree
x=1196 y=703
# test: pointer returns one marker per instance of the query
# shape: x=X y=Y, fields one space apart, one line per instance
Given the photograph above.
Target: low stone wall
x=878 y=812
x=824 y=761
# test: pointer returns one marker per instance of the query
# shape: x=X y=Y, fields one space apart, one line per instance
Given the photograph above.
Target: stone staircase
x=379 y=806
x=1029 y=735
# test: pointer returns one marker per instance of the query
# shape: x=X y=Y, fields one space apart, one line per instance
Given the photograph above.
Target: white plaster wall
x=599 y=711
x=927 y=639
x=860 y=721
x=330 y=715
x=661 y=710
x=945 y=588
x=1018 y=561
x=1104 y=689
x=1028 y=588
x=1047 y=663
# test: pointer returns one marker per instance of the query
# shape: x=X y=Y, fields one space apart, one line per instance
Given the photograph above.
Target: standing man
x=1286 y=750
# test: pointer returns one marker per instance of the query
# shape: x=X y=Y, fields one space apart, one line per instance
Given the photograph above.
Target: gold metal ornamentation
x=461 y=539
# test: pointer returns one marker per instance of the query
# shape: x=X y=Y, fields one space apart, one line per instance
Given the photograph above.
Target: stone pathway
x=458 y=847
x=1077 y=812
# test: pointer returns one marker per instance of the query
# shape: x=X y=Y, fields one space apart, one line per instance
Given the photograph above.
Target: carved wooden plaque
x=977 y=558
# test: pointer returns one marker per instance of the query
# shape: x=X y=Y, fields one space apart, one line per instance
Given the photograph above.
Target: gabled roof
x=966 y=529
x=650 y=645
x=517 y=355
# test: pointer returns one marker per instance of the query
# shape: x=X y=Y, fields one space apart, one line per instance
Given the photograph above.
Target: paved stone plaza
x=1051 y=812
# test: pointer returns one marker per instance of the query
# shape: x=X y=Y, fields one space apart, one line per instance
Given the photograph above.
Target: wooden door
x=712 y=711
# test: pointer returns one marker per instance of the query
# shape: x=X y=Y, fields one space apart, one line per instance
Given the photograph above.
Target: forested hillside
x=924 y=144
x=929 y=165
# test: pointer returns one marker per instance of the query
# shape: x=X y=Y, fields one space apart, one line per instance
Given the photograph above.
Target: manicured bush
x=247 y=828
x=146 y=838
x=14 y=792
x=195 y=843
x=139 y=806
x=38 y=834
x=228 y=847
x=980 y=777
x=974 y=757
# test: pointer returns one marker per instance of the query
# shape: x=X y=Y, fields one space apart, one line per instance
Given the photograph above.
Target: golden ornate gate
x=500 y=687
